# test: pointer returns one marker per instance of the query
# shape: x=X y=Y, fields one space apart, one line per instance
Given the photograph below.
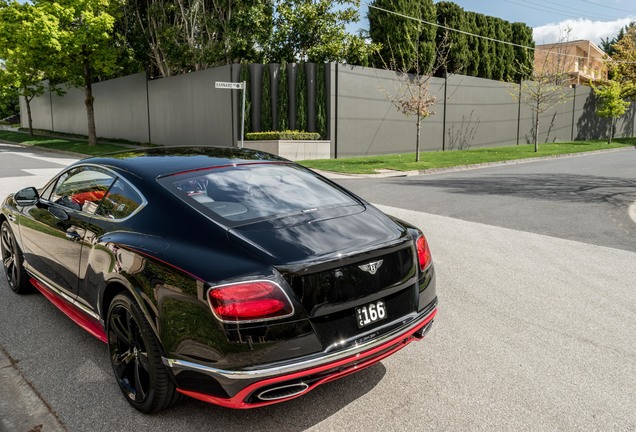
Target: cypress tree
x=472 y=69
x=453 y=45
x=485 y=58
x=244 y=75
x=507 y=51
x=283 y=99
x=524 y=57
x=301 y=98
x=266 y=101
x=321 y=101
x=498 y=50
x=401 y=38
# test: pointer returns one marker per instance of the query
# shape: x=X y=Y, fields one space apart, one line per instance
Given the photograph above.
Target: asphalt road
x=584 y=198
x=535 y=331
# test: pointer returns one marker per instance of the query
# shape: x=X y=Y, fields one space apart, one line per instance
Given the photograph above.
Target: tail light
x=423 y=252
x=249 y=301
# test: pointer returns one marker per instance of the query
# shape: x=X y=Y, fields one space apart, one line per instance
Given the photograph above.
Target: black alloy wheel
x=12 y=261
x=136 y=358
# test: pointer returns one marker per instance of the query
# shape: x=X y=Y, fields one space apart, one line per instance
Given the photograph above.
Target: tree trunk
x=536 y=132
x=90 y=109
x=28 y=104
x=417 y=139
x=610 y=135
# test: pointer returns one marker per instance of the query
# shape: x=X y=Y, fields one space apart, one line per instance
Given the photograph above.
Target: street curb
x=47 y=150
x=339 y=175
x=21 y=406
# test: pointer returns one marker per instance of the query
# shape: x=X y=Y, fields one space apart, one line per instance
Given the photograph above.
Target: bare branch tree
x=550 y=82
x=412 y=94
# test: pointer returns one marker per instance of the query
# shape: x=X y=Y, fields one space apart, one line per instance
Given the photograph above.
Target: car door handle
x=73 y=236
x=11 y=218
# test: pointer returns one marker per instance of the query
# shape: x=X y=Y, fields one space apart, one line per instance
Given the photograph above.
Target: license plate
x=370 y=313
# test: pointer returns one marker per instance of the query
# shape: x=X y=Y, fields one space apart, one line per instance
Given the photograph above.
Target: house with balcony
x=581 y=59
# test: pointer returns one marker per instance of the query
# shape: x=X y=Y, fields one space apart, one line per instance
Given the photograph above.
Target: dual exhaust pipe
x=283 y=392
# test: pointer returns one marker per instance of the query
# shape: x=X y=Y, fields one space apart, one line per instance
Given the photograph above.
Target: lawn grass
x=439 y=159
x=71 y=145
x=361 y=165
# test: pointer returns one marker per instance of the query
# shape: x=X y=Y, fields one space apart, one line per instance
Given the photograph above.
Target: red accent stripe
x=71 y=311
x=238 y=401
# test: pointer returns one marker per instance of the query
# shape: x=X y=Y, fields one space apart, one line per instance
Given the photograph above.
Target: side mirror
x=27 y=197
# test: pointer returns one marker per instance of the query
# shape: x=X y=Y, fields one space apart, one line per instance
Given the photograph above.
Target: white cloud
x=581 y=29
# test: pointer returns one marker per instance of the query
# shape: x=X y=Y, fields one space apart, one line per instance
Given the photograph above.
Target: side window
x=46 y=193
x=120 y=202
x=82 y=188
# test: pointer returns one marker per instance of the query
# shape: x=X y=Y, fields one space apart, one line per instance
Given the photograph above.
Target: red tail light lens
x=423 y=253
x=249 y=301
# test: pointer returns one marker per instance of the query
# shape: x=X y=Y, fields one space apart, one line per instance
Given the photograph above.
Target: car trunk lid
x=336 y=262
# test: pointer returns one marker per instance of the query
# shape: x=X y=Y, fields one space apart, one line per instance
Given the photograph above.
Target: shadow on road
x=552 y=187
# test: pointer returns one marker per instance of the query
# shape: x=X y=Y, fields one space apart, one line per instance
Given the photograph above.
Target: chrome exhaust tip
x=283 y=392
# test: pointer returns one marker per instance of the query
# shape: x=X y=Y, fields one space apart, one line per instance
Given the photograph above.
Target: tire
x=136 y=358
x=12 y=261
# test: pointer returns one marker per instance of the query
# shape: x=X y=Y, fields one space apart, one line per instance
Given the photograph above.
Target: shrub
x=282 y=135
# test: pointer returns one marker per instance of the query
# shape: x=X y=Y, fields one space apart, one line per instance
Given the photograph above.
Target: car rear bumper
x=268 y=385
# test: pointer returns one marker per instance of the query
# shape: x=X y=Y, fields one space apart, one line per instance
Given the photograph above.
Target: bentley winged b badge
x=371 y=267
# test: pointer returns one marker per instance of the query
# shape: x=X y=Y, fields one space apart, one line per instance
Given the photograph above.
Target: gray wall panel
x=480 y=113
x=368 y=123
x=555 y=124
x=69 y=112
x=121 y=108
x=188 y=110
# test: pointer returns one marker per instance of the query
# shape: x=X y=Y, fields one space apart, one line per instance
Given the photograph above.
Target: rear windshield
x=256 y=191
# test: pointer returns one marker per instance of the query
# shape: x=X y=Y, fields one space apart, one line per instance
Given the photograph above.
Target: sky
x=588 y=19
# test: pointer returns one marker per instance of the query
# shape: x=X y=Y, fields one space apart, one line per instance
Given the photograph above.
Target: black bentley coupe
x=231 y=276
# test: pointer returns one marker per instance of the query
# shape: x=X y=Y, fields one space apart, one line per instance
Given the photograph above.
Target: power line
x=558 y=11
x=609 y=7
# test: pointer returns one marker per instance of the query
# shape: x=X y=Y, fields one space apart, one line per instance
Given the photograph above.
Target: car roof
x=155 y=162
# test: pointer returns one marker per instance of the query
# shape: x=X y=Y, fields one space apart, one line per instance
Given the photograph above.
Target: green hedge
x=282 y=135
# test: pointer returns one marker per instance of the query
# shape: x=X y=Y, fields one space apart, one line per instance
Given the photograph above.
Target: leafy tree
x=266 y=101
x=28 y=42
x=607 y=44
x=301 y=98
x=402 y=40
x=9 y=99
x=314 y=31
x=181 y=36
x=623 y=64
x=283 y=98
x=612 y=103
x=88 y=46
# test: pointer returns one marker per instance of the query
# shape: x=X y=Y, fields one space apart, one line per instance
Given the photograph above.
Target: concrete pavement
x=534 y=333
x=21 y=407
